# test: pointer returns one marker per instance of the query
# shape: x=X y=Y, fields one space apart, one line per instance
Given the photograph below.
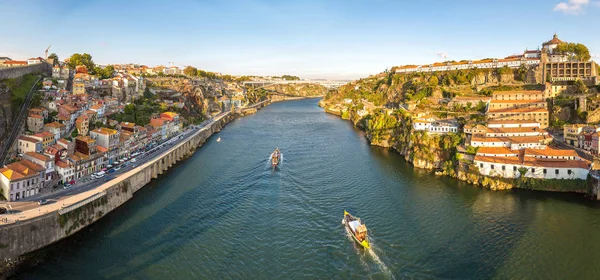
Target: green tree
x=575 y=51
x=104 y=73
x=433 y=81
x=190 y=71
x=54 y=57
x=581 y=87
x=81 y=59
x=74 y=133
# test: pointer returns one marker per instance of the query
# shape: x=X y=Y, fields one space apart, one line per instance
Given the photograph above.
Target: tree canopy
x=104 y=73
x=190 y=71
x=81 y=59
x=53 y=56
x=575 y=51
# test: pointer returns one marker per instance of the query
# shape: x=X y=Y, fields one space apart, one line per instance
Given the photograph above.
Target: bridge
x=325 y=83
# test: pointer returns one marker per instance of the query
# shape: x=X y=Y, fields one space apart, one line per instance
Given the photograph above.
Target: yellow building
x=78 y=88
x=570 y=133
x=535 y=114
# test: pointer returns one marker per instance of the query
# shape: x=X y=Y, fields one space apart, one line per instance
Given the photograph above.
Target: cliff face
x=5 y=112
x=199 y=96
x=394 y=129
x=300 y=90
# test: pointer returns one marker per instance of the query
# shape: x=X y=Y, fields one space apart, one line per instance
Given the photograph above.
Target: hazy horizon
x=310 y=39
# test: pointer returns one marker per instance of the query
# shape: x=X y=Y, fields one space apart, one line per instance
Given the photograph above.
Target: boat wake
x=371 y=252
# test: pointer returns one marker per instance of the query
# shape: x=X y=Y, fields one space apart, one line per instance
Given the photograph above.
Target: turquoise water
x=225 y=214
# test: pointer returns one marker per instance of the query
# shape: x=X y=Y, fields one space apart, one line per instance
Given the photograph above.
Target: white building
x=435 y=126
x=542 y=164
x=65 y=170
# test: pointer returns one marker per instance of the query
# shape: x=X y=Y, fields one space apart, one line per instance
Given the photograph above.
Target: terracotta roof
x=527 y=129
x=157 y=122
x=515 y=139
x=15 y=62
x=518 y=110
x=44 y=134
x=512 y=122
x=554 y=40
x=486 y=98
x=503 y=160
x=556 y=163
x=101 y=149
x=104 y=131
x=28 y=139
x=64 y=141
x=551 y=152
x=38 y=156
x=63 y=164
x=496 y=151
x=10 y=174
x=496 y=101
x=86 y=139
x=128 y=124
x=35 y=116
x=55 y=125
x=26 y=167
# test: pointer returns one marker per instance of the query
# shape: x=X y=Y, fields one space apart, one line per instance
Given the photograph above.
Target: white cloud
x=573 y=6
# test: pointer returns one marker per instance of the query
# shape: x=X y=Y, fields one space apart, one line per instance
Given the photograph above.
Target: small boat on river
x=275 y=158
x=219 y=139
x=357 y=229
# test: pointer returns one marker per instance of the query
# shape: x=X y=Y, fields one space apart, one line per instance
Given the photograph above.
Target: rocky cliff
x=299 y=90
x=200 y=96
x=362 y=102
x=13 y=92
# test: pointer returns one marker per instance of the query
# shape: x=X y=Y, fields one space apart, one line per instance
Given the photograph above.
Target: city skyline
x=333 y=40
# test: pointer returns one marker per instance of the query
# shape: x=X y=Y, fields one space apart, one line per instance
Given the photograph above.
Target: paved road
x=87 y=183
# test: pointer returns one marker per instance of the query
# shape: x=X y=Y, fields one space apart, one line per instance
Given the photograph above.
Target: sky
x=345 y=39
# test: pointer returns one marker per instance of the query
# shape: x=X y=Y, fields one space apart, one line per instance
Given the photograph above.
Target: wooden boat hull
x=347 y=219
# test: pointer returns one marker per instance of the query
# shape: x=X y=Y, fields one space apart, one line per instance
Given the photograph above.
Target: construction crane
x=47 y=51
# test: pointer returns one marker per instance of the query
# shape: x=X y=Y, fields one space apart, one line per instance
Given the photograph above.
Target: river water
x=225 y=214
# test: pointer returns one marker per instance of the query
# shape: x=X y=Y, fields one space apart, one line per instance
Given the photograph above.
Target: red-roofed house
x=21 y=179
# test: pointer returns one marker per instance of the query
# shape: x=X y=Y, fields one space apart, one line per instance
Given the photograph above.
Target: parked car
x=112 y=170
x=43 y=201
x=133 y=160
x=99 y=176
x=108 y=178
x=117 y=168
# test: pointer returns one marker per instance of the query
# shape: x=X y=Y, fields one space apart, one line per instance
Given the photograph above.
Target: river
x=224 y=214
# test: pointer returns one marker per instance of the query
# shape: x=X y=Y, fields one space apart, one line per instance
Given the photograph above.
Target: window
x=532 y=170
x=492 y=166
x=481 y=165
x=503 y=167
x=569 y=171
x=556 y=171
x=514 y=168
x=545 y=171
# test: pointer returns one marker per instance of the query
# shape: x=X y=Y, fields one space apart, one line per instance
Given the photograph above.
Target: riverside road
x=88 y=183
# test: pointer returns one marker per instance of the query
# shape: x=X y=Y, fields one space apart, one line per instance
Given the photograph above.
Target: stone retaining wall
x=14 y=72
x=26 y=236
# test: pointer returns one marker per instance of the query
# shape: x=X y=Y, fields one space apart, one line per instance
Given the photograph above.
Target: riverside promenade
x=69 y=201
x=36 y=228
